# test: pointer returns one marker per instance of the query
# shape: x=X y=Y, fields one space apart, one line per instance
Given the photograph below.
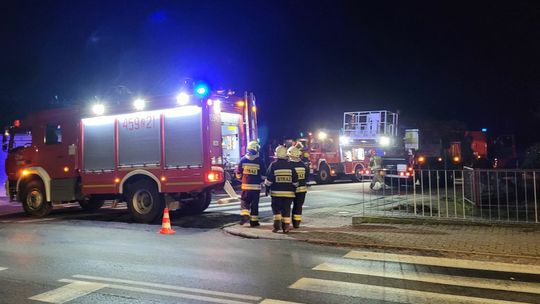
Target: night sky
x=306 y=61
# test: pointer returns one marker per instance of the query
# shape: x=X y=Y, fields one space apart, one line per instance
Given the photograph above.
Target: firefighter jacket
x=282 y=179
x=375 y=162
x=251 y=171
x=302 y=170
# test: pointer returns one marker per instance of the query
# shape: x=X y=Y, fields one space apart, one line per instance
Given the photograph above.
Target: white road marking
x=270 y=301
x=2 y=268
x=443 y=262
x=172 y=287
x=69 y=292
x=390 y=294
x=37 y=220
x=434 y=278
x=236 y=207
x=166 y=293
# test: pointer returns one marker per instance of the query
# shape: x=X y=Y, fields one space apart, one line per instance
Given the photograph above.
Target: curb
x=359 y=220
x=430 y=251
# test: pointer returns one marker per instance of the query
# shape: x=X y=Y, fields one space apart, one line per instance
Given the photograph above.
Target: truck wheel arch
x=36 y=173
x=322 y=162
x=128 y=178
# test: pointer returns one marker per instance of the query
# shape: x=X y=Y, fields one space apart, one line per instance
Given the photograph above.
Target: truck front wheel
x=34 y=200
x=144 y=201
x=358 y=174
x=323 y=176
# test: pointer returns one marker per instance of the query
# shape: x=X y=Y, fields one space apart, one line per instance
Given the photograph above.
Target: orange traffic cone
x=166 y=224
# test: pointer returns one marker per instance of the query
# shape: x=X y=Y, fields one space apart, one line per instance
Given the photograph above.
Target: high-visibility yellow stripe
x=244 y=212
x=250 y=165
x=300 y=169
x=251 y=186
x=254 y=218
x=283 y=179
x=283 y=172
x=277 y=217
x=286 y=220
x=282 y=193
x=301 y=189
x=297 y=217
x=301 y=172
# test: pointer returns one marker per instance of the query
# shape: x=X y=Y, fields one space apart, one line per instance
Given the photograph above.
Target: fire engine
x=345 y=153
x=169 y=151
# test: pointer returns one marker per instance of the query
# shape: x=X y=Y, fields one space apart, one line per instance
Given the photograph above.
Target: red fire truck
x=334 y=154
x=345 y=153
x=166 y=152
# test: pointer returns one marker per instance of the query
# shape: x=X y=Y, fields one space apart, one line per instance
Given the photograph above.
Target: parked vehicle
x=166 y=152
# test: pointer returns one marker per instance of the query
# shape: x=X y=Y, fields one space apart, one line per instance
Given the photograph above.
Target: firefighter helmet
x=281 y=152
x=253 y=147
x=299 y=146
x=294 y=152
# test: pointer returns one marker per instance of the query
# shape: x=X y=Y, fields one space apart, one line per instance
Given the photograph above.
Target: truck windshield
x=20 y=138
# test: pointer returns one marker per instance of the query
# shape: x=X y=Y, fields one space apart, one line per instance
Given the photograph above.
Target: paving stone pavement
x=332 y=227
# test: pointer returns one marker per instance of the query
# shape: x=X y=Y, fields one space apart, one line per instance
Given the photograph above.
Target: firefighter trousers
x=249 y=204
x=377 y=177
x=298 y=202
x=281 y=208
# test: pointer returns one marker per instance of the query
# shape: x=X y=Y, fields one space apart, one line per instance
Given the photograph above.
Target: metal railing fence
x=509 y=196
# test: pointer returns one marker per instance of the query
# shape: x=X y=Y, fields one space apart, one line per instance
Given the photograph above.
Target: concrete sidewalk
x=332 y=226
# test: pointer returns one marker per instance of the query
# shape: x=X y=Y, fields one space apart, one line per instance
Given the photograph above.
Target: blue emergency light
x=201 y=90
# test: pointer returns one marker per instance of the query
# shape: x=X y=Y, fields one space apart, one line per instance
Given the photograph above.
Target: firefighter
x=250 y=171
x=282 y=180
x=375 y=166
x=302 y=170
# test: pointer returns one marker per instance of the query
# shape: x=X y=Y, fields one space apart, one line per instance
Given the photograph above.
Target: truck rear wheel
x=196 y=205
x=34 y=200
x=201 y=202
x=91 y=204
x=323 y=176
x=144 y=201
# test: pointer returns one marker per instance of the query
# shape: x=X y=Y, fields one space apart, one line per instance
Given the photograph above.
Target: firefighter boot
x=277 y=222
x=296 y=221
x=286 y=225
x=277 y=226
x=244 y=214
x=254 y=221
x=244 y=219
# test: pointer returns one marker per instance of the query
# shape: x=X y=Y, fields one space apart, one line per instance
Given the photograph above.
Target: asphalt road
x=103 y=257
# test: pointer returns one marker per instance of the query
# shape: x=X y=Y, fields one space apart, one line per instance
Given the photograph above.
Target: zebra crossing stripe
x=166 y=293
x=443 y=262
x=390 y=294
x=75 y=289
x=171 y=287
x=404 y=274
